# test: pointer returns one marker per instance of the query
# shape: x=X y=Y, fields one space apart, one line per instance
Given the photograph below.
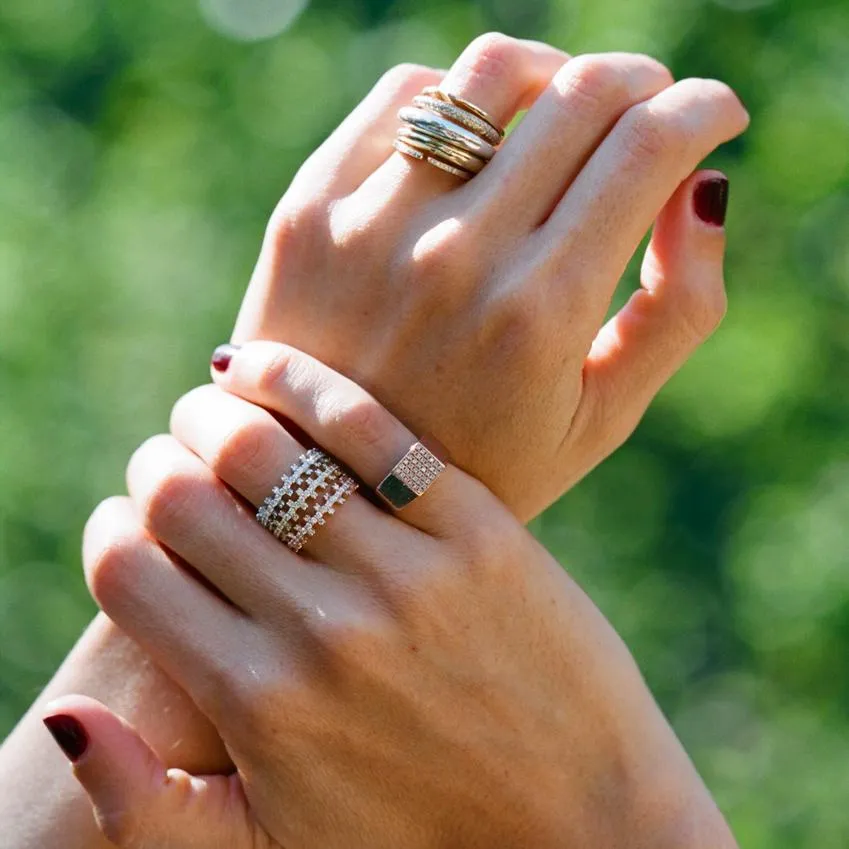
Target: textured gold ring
x=402 y=147
x=447 y=131
x=459 y=116
x=462 y=103
x=443 y=150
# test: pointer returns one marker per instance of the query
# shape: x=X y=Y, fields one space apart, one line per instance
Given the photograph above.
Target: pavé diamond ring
x=411 y=477
x=312 y=491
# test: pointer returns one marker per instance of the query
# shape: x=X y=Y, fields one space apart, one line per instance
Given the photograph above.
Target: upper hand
x=473 y=311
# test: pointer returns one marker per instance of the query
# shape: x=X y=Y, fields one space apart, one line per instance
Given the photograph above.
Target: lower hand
x=422 y=680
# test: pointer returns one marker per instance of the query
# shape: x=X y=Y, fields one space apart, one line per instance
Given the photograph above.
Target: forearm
x=41 y=805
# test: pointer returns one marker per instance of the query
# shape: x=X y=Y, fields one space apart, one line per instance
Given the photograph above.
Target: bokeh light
x=251 y=20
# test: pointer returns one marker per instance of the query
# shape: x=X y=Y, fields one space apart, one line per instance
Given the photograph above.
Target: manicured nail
x=711 y=200
x=222 y=355
x=69 y=734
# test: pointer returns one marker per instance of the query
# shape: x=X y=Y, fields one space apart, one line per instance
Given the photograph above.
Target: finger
x=186 y=507
x=680 y=303
x=501 y=75
x=560 y=132
x=150 y=597
x=613 y=202
x=342 y=418
x=364 y=139
x=137 y=801
x=247 y=448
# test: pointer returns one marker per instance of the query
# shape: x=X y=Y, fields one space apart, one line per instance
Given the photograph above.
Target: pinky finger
x=137 y=802
x=680 y=303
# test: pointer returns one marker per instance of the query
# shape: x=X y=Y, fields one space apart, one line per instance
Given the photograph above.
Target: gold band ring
x=435 y=91
x=402 y=147
x=459 y=116
x=445 y=130
x=443 y=150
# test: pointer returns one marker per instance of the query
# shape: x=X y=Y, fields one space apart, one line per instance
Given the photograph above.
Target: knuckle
x=276 y=371
x=650 y=136
x=167 y=502
x=109 y=565
x=603 y=425
x=483 y=543
x=515 y=323
x=363 y=423
x=441 y=257
x=120 y=826
x=128 y=825
x=703 y=309
x=149 y=450
x=297 y=224
x=186 y=407
x=248 y=451
x=351 y=645
x=492 y=55
x=594 y=81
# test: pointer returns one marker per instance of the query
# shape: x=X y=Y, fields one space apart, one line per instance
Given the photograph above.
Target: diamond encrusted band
x=462 y=103
x=411 y=477
x=459 y=116
x=313 y=490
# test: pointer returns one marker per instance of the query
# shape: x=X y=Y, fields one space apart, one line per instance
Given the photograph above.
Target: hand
x=422 y=680
x=473 y=311
x=681 y=301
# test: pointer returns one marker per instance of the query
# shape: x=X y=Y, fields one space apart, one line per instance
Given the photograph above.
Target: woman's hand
x=430 y=679
x=473 y=311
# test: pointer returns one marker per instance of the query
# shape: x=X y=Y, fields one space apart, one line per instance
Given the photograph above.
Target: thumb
x=137 y=801
x=680 y=303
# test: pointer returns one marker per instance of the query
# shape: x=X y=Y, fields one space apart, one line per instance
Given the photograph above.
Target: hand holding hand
x=473 y=311
x=423 y=680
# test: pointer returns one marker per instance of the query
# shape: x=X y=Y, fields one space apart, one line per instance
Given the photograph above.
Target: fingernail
x=711 y=200
x=69 y=734
x=222 y=355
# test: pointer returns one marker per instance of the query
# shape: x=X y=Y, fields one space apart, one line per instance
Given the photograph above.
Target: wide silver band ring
x=315 y=487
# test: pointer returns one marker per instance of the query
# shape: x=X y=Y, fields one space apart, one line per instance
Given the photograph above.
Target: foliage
x=142 y=147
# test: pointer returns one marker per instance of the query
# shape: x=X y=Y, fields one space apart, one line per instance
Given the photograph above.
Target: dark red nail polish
x=69 y=734
x=711 y=200
x=222 y=355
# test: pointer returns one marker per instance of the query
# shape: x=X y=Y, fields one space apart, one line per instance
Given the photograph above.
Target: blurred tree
x=142 y=147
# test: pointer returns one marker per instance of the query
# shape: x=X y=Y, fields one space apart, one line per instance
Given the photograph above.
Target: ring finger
x=349 y=423
x=245 y=446
x=499 y=74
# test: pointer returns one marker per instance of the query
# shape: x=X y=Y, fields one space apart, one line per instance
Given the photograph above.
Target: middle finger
x=560 y=132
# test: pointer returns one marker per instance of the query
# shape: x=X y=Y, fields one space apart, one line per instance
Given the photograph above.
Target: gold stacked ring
x=441 y=149
x=459 y=116
x=313 y=490
x=465 y=105
x=448 y=132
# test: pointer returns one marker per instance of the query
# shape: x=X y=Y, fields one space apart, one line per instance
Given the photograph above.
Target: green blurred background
x=142 y=147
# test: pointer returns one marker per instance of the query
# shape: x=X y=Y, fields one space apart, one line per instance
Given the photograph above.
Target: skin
x=473 y=292
x=466 y=693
